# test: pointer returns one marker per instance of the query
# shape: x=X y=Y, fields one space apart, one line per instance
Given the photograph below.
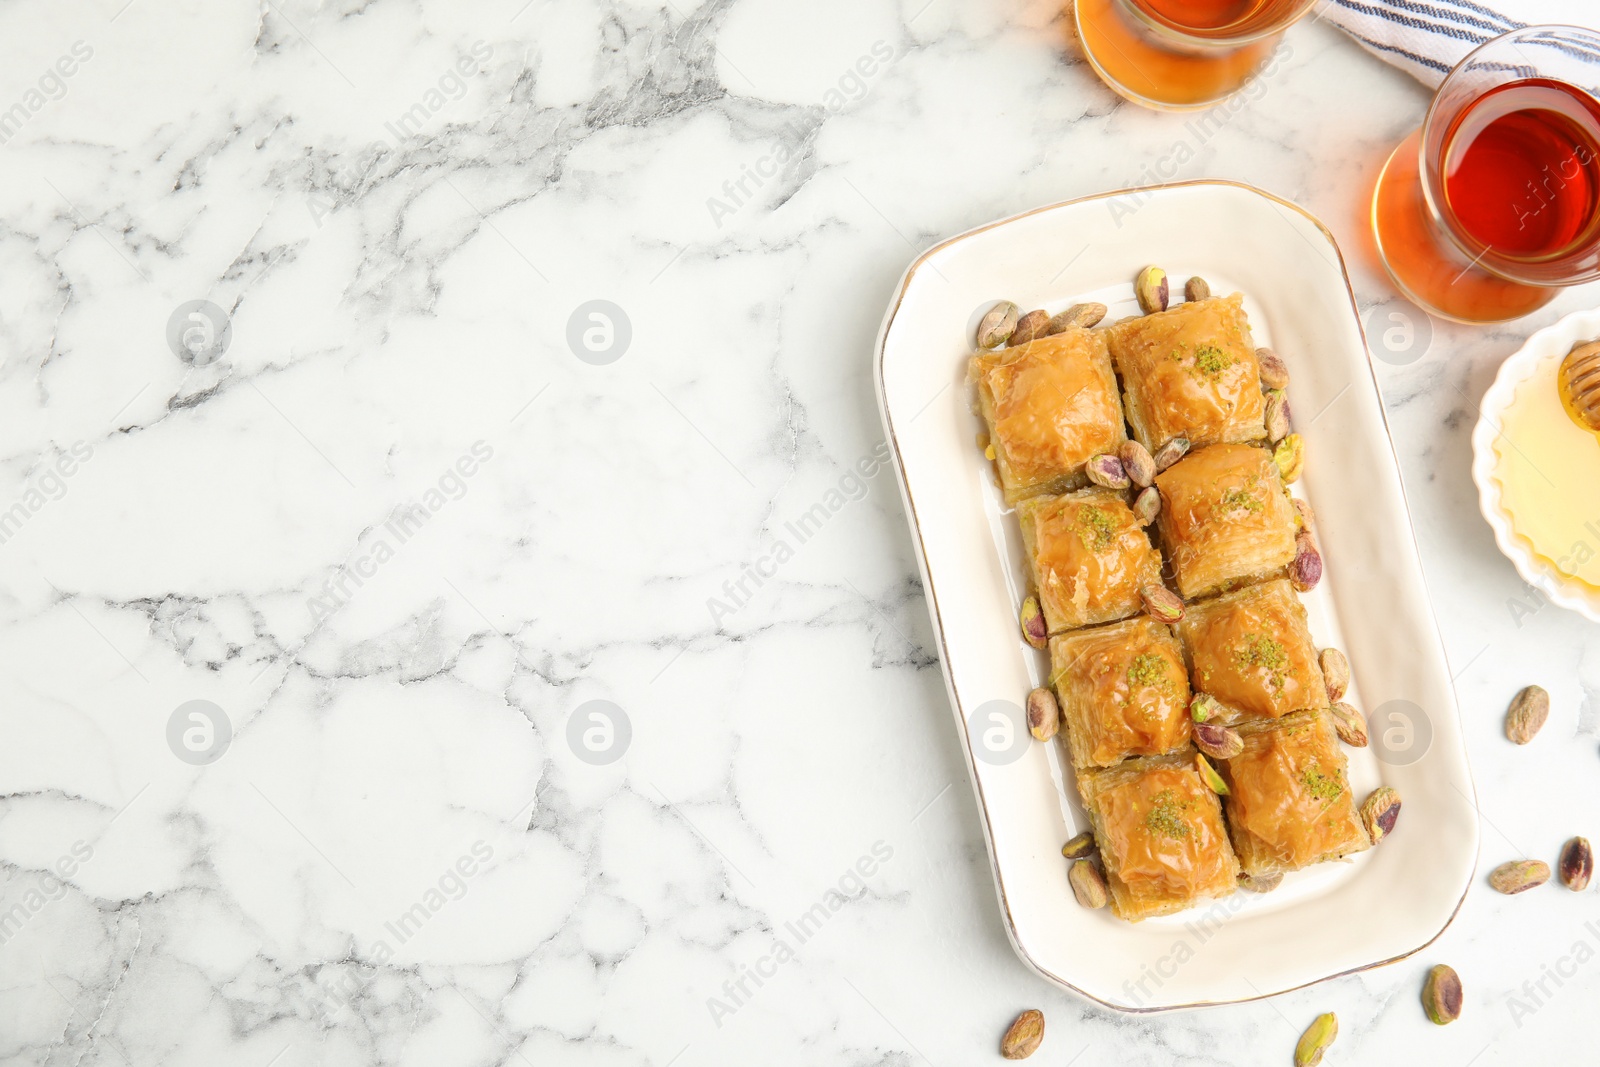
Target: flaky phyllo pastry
x=1190 y=372
x=1050 y=404
x=1161 y=835
x=1225 y=518
x=1290 y=803
x=1252 y=651
x=1123 y=691
x=1089 y=556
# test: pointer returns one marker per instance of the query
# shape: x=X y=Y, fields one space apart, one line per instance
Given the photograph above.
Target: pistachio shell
x=997 y=325
x=1030 y=327
x=1147 y=505
x=1527 y=714
x=1023 y=1037
x=1350 y=725
x=1170 y=453
x=1335 y=672
x=1379 y=812
x=1044 y=714
x=1218 y=742
x=1088 y=884
x=1079 y=847
x=1277 y=417
x=1519 y=876
x=1274 y=372
x=1081 y=316
x=1034 y=630
x=1137 y=463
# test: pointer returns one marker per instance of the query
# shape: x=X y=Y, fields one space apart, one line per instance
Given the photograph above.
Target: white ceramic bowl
x=1551 y=343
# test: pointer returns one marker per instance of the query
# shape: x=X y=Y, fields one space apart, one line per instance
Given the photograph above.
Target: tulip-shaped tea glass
x=1180 y=55
x=1483 y=213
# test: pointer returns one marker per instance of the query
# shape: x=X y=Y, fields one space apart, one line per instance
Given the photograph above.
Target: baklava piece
x=1050 y=405
x=1252 y=650
x=1089 y=556
x=1190 y=372
x=1289 y=801
x=1124 y=692
x=1161 y=836
x=1225 y=518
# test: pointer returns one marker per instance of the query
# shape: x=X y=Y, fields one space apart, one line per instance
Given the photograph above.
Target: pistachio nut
x=1315 y=1041
x=1260 y=883
x=1519 y=876
x=1030 y=327
x=1170 y=453
x=1204 y=707
x=1335 y=672
x=1197 y=289
x=1106 y=469
x=1379 y=812
x=1306 y=569
x=1034 y=630
x=1527 y=714
x=1137 y=463
x=1162 y=603
x=1147 y=505
x=1024 y=1035
x=1349 y=724
x=1151 y=289
x=1082 y=316
x=1277 y=417
x=1088 y=884
x=1044 y=714
x=1576 y=864
x=1209 y=775
x=1079 y=847
x=1441 y=994
x=1274 y=372
x=998 y=324
x=1304 y=518
x=1290 y=456
x=1218 y=742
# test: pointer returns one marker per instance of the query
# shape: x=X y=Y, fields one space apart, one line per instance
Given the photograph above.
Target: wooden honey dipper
x=1580 y=384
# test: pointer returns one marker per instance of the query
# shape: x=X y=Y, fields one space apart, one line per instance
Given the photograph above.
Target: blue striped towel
x=1425 y=38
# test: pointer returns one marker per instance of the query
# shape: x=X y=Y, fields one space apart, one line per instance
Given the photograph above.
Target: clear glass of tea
x=1182 y=55
x=1494 y=204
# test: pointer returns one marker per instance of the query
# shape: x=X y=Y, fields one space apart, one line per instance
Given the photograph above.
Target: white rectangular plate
x=1330 y=920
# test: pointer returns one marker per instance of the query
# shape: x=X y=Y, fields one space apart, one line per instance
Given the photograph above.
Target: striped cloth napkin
x=1425 y=38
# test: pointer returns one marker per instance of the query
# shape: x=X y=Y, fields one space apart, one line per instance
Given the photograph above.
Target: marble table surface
x=396 y=398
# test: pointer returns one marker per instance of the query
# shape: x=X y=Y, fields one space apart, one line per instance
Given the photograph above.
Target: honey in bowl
x=1548 y=470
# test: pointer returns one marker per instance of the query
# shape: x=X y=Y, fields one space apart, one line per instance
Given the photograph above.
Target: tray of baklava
x=1198 y=685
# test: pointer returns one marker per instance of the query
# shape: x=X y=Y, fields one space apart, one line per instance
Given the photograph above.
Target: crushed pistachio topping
x=1096 y=529
x=1244 y=498
x=1258 y=651
x=1165 y=816
x=1148 y=669
x=1210 y=361
x=1320 y=785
